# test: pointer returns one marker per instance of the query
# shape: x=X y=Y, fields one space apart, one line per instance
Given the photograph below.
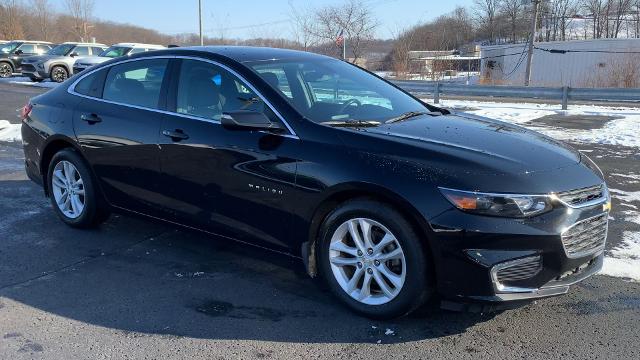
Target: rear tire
x=6 y=70
x=59 y=74
x=397 y=271
x=73 y=192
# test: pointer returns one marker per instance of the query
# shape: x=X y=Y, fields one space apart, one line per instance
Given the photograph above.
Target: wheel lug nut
x=369 y=271
x=359 y=265
x=359 y=253
x=370 y=251
x=377 y=263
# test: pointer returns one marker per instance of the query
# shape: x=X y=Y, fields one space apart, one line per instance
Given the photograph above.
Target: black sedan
x=391 y=200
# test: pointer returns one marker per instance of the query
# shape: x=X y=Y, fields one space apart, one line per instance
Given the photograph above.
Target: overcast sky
x=252 y=18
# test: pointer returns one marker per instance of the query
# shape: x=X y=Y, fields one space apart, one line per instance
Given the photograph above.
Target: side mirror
x=248 y=120
x=73 y=54
x=18 y=52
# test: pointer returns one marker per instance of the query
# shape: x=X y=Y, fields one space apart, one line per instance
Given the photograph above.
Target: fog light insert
x=515 y=270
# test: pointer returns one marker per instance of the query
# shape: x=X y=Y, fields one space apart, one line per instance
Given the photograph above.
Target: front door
x=233 y=183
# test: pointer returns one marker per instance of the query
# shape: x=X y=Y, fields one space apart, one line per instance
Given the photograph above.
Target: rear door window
x=97 y=50
x=136 y=83
x=81 y=50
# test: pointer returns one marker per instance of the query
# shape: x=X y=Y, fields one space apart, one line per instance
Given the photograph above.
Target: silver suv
x=57 y=64
x=114 y=51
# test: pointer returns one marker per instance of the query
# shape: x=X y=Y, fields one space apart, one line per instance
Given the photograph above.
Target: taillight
x=26 y=111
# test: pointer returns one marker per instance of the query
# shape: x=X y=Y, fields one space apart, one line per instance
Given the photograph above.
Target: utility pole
x=344 y=49
x=534 y=23
x=200 y=21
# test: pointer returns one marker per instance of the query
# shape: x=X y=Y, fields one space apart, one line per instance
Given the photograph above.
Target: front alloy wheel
x=367 y=261
x=5 y=70
x=374 y=259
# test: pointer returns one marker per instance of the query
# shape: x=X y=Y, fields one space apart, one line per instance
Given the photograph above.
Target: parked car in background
x=12 y=54
x=392 y=200
x=57 y=64
x=114 y=51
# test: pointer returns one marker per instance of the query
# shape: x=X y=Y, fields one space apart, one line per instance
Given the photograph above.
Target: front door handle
x=90 y=118
x=175 y=135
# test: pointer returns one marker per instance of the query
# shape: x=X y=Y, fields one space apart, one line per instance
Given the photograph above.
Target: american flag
x=340 y=37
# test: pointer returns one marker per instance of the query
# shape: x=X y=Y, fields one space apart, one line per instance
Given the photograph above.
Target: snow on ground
x=622 y=131
x=21 y=80
x=9 y=132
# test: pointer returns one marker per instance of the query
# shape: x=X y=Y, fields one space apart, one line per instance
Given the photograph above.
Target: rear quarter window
x=91 y=85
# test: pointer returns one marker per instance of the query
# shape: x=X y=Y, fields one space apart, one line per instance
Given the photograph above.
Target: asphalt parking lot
x=140 y=289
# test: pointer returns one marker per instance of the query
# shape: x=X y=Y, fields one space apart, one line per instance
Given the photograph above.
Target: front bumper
x=32 y=72
x=471 y=252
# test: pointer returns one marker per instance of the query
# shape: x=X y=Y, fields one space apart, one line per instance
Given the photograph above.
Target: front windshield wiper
x=351 y=123
x=410 y=114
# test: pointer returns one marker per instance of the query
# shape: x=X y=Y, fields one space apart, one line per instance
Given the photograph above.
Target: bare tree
x=354 y=18
x=486 y=12
x=81 y=11
x=513 y=10
x=304 y=27
x=10 y=23
x=622 y=9
x=43 y=13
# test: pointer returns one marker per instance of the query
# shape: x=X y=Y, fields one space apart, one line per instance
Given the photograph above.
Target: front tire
x=59 y=74
x=6 y=70
x=73 y=192
x=373 y=259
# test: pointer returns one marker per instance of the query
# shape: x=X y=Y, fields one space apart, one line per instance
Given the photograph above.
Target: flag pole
x=344 y=49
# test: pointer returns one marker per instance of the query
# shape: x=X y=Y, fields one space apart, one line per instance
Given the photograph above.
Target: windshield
x=61 y=50
x=115 y=51
x=331 y=91
x=8 y=47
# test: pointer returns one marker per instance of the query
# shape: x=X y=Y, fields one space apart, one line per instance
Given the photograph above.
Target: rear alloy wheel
x=74 y=195
x=59 y=74
x=6 y=70
x=373 y=259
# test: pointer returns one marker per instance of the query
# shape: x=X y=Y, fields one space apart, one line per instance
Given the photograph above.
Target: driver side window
x=206 y=90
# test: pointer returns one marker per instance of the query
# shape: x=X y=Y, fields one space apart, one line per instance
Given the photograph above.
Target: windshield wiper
x=410 y=114
x=351 y=123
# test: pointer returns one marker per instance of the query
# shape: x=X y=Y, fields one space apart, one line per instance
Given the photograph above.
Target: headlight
x=505 y=205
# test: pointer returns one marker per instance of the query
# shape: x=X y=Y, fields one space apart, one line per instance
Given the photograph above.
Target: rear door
x=235 y=183
x=117 y=124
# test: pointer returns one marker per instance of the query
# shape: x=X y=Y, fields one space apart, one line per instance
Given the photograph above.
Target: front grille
x=28 y=67
x=519 y=269
x=579 y=197
x=586 y=237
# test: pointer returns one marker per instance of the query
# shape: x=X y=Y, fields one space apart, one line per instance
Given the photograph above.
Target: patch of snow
x=624 y=260
x=21 y=80
x=623 y=131
x=625 y=196
x=389 y=332
x=10 y=132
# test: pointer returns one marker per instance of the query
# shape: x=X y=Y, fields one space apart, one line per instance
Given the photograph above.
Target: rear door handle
x=175 y=135
x=90 y=118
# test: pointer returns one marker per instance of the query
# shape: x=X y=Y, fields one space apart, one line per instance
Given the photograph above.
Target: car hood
x=42 y=58
x=92 y=60
x=479 y=145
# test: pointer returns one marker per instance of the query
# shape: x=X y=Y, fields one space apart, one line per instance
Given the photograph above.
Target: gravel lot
x=141 y=289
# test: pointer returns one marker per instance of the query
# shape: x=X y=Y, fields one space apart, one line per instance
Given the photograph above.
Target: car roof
x=81 y=43
x=31 y=41
x=250 y=53
x=140 y=45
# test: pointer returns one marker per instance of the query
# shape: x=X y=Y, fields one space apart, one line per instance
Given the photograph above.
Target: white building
x=577 y=63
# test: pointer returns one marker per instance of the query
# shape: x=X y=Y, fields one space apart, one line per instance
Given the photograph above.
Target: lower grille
x=519 y=269
x=28 y=67
x=586 y=237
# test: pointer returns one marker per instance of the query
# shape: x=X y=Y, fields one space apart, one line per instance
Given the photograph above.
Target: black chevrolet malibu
x=391 y=200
